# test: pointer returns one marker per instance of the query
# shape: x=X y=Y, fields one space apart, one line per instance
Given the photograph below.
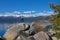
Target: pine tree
x=56 y=22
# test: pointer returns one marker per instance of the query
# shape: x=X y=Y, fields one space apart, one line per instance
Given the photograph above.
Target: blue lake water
x=3 y=28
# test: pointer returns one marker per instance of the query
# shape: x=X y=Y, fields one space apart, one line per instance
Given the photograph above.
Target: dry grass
x=37 y=27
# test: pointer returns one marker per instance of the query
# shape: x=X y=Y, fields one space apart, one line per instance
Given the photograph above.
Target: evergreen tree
x=56 y=22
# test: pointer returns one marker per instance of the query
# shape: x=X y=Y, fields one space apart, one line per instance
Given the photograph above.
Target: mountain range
x=12 y=19
x=17 y=17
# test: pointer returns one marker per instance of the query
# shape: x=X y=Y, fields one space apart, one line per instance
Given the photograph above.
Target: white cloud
x=50 y=13
x=16 y=12
x=33 y=11
x=44 y=14
x=28 y=11
x=26 y=14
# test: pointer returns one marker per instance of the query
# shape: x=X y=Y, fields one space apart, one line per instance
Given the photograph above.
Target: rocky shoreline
x=22 y=31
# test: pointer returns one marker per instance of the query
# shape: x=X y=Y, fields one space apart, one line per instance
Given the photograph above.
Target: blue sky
x=40 y=7
x=25 y=5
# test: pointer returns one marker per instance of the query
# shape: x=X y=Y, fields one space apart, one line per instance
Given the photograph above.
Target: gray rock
x=41 y=36
x=21 y=38
x=14 y=30
x=15 y=33
x=2 y=38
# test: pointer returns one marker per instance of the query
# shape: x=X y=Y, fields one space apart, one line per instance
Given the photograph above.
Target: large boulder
x=14 y=30
x=41 y=36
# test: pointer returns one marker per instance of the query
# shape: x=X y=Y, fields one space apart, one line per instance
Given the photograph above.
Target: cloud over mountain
x=29 y=12
x=26 y=14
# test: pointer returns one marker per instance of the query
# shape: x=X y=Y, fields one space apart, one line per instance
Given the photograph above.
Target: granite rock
x=14 y=30
x=41 y=36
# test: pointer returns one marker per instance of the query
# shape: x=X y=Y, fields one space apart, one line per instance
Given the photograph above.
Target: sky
x=26 y=6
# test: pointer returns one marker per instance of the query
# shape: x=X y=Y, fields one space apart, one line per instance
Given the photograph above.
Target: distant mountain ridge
x=12 y=19
x=16 y=17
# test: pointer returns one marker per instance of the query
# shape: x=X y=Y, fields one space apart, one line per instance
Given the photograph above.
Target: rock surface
x=41 y=36
x=2 y=38
x=13 y=32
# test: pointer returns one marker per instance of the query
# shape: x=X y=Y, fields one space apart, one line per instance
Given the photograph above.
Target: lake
x=3 y=28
